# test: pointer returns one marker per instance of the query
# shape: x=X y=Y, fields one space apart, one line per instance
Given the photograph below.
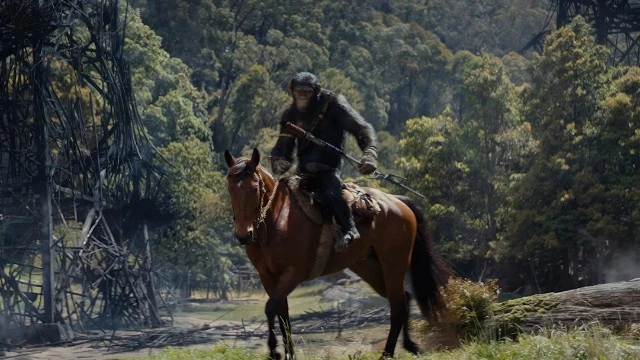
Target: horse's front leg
x=285 y=328
x=271 y=311
x=277 y=305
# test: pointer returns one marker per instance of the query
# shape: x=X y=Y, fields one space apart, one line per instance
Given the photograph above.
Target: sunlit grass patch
x=579 y=344
x=219 y=352
x=251 y=305
x=227 y=352
x=587 y=344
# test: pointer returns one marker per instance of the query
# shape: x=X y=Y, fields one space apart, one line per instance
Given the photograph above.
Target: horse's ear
x=255 y=157
x=229 y=159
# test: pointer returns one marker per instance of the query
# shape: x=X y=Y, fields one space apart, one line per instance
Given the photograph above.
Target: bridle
x=265 y=204
x=262 y=212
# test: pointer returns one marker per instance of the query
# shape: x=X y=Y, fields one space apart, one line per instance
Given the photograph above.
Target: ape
x=328 y=117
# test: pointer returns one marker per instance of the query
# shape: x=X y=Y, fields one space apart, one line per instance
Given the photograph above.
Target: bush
x=469 y=309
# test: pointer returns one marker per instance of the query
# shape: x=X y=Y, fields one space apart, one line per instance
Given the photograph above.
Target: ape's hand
x=367 y=165
x=369 y=161
x=280 y=166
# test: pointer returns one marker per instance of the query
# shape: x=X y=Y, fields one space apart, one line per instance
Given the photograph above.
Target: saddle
x=362 y=205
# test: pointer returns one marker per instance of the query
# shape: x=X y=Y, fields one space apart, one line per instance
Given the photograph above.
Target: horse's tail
x=428 y=271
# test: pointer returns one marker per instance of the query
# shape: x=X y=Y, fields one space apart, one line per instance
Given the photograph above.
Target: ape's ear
x=290 y=86
x=229 y=159
x=318 y=88
x=255 y=157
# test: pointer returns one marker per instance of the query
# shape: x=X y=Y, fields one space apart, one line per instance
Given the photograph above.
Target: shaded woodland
x=528 y=160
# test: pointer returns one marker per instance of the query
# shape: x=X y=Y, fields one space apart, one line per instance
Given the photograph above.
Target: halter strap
x=263 y=209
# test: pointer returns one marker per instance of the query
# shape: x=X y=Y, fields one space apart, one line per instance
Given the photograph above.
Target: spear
x=300 y=132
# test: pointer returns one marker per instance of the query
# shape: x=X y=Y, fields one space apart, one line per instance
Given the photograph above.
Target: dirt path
x=190 y=333
x=333 y=331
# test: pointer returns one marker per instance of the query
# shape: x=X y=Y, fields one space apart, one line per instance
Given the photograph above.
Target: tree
x=491 y=111
x=610 y=200
x=195 y=239
x=482 y=150
x=549 y=227
x=431 y=162
x=197 y=242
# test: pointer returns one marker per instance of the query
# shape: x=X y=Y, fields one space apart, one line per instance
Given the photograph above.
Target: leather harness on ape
x=328 y=117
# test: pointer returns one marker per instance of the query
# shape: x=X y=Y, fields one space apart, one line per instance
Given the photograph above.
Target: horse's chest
x=284 y=252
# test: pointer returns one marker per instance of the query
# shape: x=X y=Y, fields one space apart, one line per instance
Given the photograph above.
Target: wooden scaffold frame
x=77 y=180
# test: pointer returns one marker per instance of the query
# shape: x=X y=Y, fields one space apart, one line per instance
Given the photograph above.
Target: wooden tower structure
x=616 y=24
x=76 y=172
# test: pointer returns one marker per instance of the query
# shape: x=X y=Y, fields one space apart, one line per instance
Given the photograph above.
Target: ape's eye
x=304 y=92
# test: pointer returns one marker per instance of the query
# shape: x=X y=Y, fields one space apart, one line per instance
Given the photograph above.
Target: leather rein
x=264 y=207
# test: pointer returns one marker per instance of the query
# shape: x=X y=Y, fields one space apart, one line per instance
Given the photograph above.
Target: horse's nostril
x=244 y=240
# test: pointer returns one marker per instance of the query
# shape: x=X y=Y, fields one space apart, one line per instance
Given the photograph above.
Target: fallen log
x=615 y=305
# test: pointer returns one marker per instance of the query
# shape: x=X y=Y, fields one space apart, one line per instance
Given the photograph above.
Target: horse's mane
x=241 y=169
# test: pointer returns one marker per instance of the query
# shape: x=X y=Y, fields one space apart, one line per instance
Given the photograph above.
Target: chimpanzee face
x=302 y=95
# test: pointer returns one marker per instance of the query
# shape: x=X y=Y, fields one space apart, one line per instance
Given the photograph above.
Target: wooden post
x=42 y=183
x=151 y=289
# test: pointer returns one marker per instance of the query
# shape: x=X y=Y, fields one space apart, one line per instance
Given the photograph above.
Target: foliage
x=468 y=158
x=380 y=63
x=496 y=26
x=469 y=306
x=431 y=161
x=169 y=105
x=196 y=240
x=491 y=111
x=529 y=163
x=552 y=208
x=193 y=241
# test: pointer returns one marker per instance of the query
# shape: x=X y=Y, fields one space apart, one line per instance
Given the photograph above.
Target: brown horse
x=281 y=242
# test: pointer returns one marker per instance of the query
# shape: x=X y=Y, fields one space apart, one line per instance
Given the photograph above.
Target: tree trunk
x=614 y=304
x=42 y=183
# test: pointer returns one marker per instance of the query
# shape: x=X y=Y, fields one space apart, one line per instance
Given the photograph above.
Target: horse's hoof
x=411 y=347
x=385 y=356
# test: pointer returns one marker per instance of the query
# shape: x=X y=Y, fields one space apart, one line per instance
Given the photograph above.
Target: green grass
x=595 y=343
x=579 y=344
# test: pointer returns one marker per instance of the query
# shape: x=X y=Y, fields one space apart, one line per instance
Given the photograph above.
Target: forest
x=528 y=160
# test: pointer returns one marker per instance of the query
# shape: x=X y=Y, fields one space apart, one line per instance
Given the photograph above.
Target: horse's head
x=246 y=186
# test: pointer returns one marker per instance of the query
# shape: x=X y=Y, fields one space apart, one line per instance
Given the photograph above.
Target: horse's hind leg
x=371 y=271
x=407 y=343
x=399 y=314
